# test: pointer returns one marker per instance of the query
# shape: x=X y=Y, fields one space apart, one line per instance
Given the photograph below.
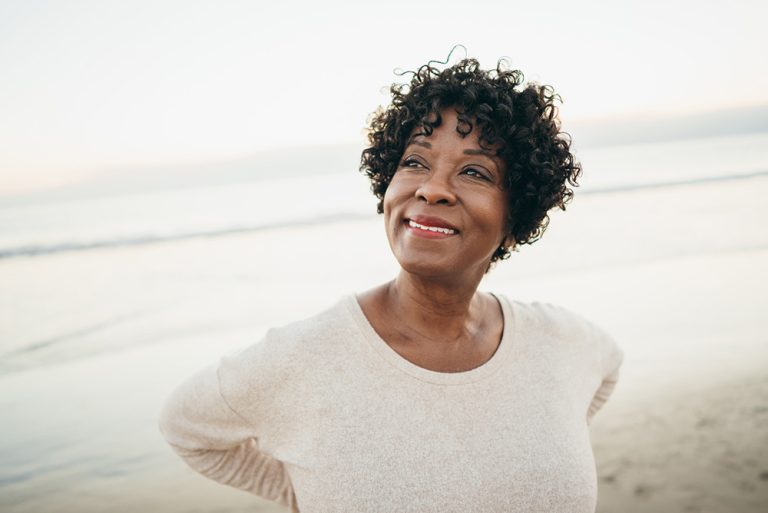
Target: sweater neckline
x=443 y=378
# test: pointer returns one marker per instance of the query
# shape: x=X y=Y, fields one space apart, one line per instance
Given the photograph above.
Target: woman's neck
x=433 y=309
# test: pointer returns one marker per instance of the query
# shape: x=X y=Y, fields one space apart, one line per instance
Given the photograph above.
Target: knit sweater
x=323 y=415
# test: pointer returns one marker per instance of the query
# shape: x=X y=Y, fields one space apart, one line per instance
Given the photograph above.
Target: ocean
x=161 y=205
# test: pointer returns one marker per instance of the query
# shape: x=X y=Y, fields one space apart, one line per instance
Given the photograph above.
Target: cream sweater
x=323 y=416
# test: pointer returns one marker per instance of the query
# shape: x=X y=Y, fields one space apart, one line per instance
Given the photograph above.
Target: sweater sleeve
x=219 y=443
x=611 y=358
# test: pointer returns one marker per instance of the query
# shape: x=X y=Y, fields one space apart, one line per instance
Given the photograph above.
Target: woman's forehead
x=421 y=135
x=466 y=125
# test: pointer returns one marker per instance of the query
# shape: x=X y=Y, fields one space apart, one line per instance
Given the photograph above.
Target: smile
x=416 y=228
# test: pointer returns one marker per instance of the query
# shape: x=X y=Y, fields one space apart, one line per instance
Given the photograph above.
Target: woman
x=423 y=394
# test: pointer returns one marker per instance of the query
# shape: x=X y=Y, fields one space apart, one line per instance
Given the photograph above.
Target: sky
x=93 y=86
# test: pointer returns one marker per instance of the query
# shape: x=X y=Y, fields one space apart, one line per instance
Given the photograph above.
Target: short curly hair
x=519 y=121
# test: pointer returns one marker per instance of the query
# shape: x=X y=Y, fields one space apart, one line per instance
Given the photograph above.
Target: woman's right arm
x=216 y=441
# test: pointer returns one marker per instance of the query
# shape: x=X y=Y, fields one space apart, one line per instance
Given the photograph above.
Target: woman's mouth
x=428 y=231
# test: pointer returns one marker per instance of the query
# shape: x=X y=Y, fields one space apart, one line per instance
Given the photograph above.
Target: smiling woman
x=517 y=129
x=424 y=394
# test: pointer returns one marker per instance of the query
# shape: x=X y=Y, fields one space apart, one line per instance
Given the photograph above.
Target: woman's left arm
x=611 y=358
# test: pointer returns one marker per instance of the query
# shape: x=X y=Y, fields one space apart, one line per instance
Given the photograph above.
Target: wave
x=676 y=183
x=63 y=338
x=146 y=239
x=140 y=240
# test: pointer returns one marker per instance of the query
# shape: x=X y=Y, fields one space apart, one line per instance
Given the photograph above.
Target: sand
x=678 y=275
x=695 y=452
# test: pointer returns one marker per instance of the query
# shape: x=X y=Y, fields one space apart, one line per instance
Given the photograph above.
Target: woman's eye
x=474 y=172
x=410 y=163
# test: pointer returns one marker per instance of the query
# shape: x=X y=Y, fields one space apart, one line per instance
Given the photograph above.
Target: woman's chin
x=437 y=269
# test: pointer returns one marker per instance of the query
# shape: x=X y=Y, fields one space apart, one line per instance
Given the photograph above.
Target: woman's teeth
x=414 y=224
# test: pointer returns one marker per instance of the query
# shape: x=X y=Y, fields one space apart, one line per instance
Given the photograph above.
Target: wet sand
x=695 y=452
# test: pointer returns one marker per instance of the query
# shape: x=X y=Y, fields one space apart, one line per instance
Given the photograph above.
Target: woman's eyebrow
x=419 y=142
x=487 y=153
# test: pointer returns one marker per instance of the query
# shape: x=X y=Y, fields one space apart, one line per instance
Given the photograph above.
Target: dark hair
x=520 y=122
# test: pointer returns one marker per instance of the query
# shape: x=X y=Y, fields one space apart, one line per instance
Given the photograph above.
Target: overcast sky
x=89 y=86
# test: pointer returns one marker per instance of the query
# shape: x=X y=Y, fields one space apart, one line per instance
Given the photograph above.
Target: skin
x=432 y=313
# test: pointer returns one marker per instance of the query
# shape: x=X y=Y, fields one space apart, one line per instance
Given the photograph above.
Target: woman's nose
x=436 y=189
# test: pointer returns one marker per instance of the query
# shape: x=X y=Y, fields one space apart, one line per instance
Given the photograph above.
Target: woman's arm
x=216 y=441
x=602 y=394
x=611 y=358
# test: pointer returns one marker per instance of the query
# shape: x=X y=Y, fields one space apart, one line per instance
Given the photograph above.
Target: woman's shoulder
x=330 y=325
x=288 y=360
x=563 y=323
x=543 y=313
x=297 y=343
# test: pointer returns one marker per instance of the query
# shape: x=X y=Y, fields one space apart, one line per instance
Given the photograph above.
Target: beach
x=95 y=340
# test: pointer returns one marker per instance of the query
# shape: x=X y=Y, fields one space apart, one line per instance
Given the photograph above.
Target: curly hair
x=519 y=121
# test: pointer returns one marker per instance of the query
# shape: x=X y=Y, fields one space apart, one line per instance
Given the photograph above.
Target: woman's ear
x=508 y=242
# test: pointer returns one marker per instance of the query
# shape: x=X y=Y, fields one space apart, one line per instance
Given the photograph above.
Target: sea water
x=70 y=220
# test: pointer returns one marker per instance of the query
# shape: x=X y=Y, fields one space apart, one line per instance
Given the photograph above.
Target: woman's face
x=445 y=209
